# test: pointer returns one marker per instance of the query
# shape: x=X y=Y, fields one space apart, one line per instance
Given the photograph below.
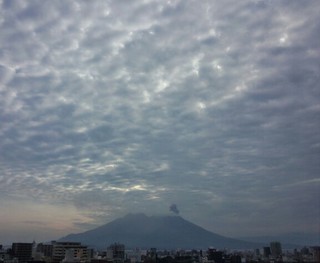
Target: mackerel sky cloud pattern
x=111 y=107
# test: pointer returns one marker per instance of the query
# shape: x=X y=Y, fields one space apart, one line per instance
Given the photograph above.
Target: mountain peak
x=163 y=232
x=142 y=215
x=135 y=215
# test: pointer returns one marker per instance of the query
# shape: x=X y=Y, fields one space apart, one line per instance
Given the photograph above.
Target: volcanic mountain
x=163 y=232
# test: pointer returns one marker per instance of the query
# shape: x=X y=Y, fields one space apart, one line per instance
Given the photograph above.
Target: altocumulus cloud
x=109 y=107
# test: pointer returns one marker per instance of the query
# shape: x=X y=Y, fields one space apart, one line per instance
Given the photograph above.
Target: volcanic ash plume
x=174 y=209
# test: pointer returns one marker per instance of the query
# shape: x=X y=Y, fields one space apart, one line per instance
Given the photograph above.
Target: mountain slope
x=163 y=232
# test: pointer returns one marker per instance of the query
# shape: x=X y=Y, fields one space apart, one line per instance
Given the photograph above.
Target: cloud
x=210 y=104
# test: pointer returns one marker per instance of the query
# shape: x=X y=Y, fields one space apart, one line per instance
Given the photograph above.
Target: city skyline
x=207 y=109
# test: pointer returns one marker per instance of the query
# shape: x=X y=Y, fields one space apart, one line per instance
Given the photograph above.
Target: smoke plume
x=174 y=209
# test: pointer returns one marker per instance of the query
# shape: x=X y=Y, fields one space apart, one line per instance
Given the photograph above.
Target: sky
x=209 y=109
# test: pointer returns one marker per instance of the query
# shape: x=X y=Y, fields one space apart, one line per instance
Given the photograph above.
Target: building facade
x=59 y=250
x=22 y=251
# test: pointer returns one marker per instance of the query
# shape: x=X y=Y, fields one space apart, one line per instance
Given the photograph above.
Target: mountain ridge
x=163 y=232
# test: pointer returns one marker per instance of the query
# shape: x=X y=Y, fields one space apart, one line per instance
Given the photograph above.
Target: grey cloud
x=36 y=223
x=212 y=105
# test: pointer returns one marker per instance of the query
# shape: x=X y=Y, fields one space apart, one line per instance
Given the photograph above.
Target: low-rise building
x=59 y=250
x=116 y=253
x=22 y=251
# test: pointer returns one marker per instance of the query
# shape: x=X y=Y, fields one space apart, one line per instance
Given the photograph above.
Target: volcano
x=162 y=232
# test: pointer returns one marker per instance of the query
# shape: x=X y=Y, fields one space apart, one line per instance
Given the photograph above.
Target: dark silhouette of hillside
x=163 y=232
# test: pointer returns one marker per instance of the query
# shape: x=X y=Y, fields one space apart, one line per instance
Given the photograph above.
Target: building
x=276 y=249
x=45 y=250
x=134 y=256
x=22 y=251
x=214 y=255
x=70 y=257
x=266 y=252
x=316 y=253
x=59 y=250
x=116 y=253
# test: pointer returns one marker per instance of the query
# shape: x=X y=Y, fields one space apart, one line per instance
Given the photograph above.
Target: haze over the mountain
x=164 y=232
